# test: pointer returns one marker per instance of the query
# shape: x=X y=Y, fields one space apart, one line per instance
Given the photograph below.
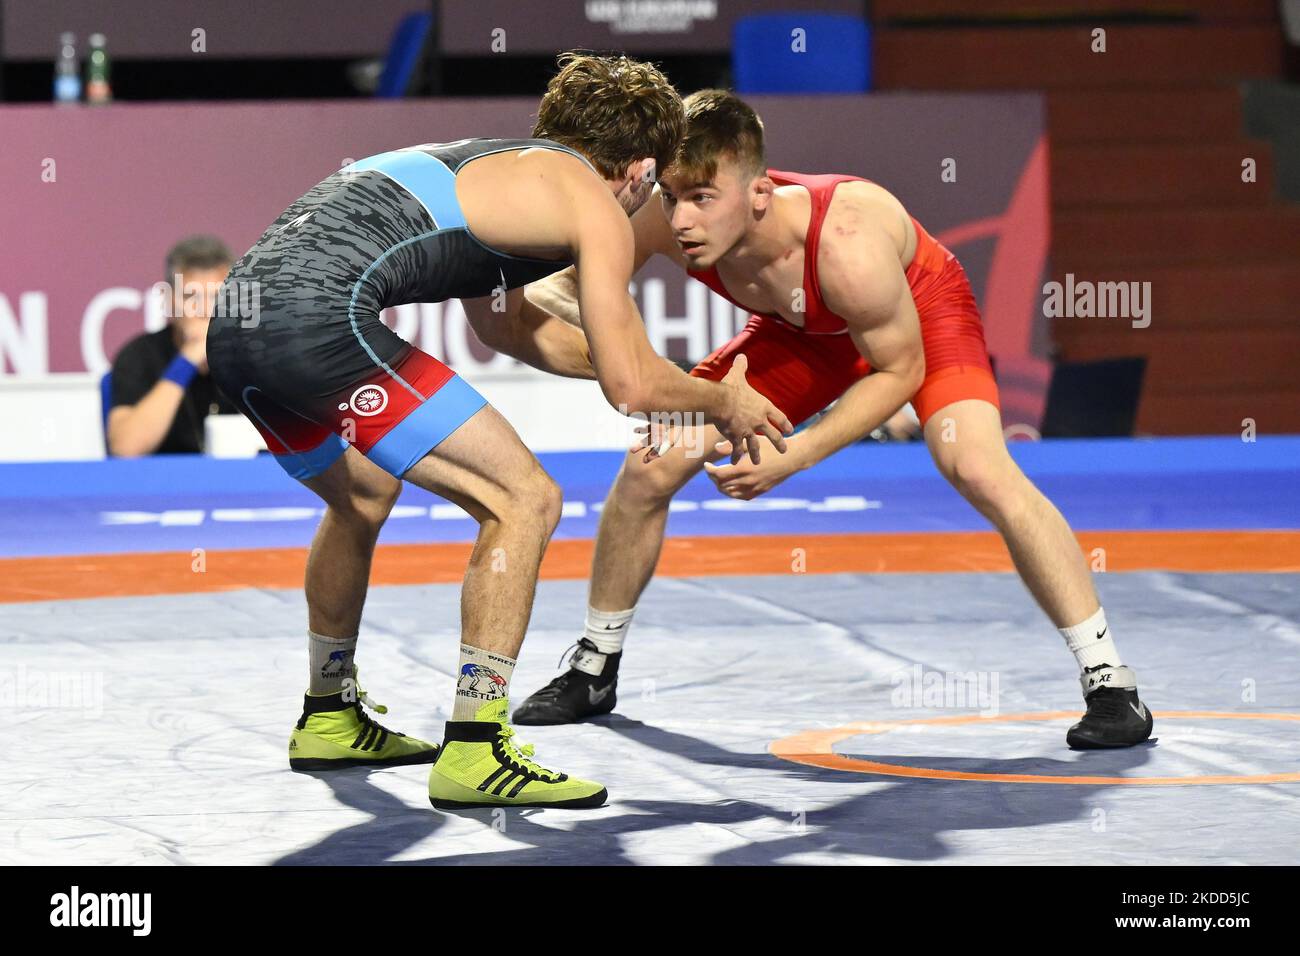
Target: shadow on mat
x=393 y=826
x=902 y=820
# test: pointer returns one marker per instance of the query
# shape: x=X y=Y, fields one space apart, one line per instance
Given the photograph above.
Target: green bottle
x=97 y=67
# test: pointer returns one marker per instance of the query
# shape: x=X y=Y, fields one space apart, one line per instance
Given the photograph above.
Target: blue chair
x=105 y=406
x=832 y=55
x=405 y=54
x=105 y=398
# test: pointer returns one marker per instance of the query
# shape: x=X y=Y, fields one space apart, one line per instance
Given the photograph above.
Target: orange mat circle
x=815 y=748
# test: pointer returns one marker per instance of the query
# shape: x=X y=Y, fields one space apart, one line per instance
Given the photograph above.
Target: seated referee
x=161 y=392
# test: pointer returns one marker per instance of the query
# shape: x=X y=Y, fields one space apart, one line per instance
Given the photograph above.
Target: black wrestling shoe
x=1115 y=717
x=586 y=689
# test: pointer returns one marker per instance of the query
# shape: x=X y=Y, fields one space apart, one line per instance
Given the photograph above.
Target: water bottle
x=67 y=78
x=97 y=88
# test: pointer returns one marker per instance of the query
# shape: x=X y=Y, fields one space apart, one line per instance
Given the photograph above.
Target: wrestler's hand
x=749 y=415
x=655 y=440
x=746 y=480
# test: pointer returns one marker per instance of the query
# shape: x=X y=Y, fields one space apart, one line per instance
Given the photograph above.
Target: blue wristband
x=181 y=371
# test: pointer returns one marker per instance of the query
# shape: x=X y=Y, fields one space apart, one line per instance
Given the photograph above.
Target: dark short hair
x=196 y=252
x=719 y=124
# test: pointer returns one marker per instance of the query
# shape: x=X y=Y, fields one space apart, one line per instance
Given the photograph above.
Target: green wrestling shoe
x=333 y=734
x=480 y=766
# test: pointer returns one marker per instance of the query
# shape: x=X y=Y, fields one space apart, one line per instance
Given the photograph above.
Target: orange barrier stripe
x=114 y=575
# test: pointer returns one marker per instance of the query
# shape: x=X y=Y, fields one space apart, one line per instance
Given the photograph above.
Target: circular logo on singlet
x=369 y=400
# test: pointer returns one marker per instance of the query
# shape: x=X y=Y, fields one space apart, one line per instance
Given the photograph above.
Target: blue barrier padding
x=177 y=503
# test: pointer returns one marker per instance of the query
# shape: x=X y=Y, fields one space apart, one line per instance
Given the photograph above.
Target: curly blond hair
x=612 y=109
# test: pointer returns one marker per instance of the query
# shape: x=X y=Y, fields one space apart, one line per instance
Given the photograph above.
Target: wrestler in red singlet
x=802 y=370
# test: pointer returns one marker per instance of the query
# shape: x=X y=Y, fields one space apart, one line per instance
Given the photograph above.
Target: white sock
x=1091 y=642
x=483 y=676
x=608 y=629
x=329 y=662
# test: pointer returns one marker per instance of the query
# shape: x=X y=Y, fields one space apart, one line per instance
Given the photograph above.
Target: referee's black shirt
x=137 y=369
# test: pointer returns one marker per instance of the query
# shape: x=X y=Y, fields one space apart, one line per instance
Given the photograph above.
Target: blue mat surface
x=177 y=503
x=157 y=762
